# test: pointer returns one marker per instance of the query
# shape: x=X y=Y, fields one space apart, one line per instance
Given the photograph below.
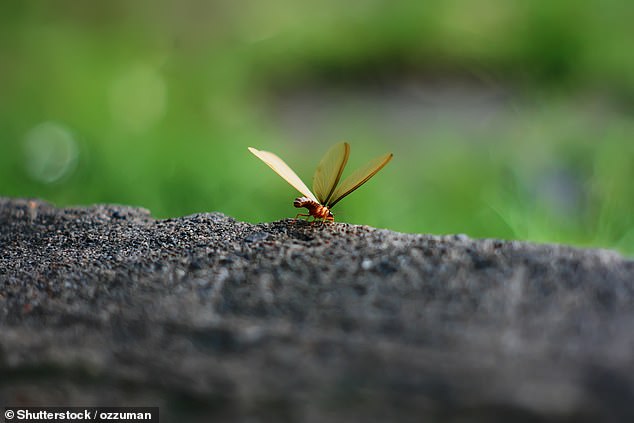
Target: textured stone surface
x=208 y=317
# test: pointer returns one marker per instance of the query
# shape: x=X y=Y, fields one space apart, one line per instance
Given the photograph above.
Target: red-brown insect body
x=315 y=209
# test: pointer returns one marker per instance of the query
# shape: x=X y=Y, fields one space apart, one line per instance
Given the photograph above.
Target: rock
x=211 y=318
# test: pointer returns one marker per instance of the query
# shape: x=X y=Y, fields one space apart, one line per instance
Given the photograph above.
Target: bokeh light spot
x=50 y=152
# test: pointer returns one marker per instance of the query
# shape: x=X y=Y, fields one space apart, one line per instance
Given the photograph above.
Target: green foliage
x=507 y=119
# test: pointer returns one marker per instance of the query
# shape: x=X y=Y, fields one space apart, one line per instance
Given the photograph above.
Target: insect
x=326 y=187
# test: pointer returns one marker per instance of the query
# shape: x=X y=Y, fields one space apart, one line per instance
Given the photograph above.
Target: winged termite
x=326 y=187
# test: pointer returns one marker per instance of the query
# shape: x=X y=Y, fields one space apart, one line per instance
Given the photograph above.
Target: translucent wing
x=329 y=171
x=358 y=178
x=284 y=171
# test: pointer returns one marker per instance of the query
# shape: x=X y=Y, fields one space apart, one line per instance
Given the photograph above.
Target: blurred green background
x=506 y=119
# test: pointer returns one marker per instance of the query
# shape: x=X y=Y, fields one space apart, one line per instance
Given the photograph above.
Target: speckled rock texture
x=218 y=320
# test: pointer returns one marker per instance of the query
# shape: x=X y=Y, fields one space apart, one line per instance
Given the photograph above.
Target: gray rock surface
x=211 y=318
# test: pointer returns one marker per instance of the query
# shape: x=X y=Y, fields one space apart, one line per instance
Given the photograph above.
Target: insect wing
x=358 y=178
x=329 y=171
x=282 y=169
